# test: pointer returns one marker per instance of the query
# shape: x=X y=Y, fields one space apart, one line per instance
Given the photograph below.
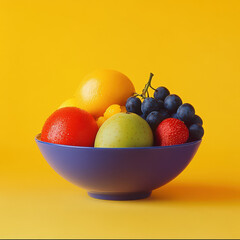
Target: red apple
x=70 y=126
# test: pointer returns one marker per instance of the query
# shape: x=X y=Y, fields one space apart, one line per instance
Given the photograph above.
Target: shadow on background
x=196 y=193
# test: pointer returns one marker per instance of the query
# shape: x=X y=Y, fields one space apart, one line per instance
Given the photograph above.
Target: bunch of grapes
x=165 y=105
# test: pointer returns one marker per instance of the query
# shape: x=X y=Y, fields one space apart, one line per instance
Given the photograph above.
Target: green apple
x=124 y=130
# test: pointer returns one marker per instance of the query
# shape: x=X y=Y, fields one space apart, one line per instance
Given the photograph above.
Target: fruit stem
x=152 y=88
x=145 y=90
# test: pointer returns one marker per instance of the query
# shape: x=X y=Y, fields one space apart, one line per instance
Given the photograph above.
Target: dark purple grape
x=149 y=105
x=196 y=132
x=164 y=113
x=154 y=118
x=161 y=93
x=186 y=112
x=134 y=105
x=172 y=103
x=197 y=120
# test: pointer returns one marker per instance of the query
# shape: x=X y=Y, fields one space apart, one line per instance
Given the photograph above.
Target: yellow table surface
x=192 y=47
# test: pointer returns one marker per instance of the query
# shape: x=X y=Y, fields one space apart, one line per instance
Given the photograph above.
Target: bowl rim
x=129 y=148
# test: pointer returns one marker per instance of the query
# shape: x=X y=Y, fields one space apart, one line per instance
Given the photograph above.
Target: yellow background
x=192 y=47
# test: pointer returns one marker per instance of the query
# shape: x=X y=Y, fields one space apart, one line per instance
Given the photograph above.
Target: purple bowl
x=118 y=173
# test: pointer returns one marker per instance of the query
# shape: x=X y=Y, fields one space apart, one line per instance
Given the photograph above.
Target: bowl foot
x=119 y=196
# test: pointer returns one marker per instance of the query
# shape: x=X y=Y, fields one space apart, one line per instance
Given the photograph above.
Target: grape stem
x=145 y=92
x=153 y=88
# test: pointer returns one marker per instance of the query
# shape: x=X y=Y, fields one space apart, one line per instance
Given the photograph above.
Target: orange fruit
x=112 y=110
x=71 y=102
x=102 y=88
x=123 y=109
x=100 y=121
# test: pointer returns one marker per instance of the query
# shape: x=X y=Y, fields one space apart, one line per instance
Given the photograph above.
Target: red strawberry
x=171 y=131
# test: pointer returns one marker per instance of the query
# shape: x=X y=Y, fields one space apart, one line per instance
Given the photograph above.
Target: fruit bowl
x=118 y=173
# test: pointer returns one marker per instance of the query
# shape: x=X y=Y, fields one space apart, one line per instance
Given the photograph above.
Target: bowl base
x=119 y=196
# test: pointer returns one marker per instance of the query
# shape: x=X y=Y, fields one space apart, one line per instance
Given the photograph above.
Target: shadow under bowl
x=118 y=173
